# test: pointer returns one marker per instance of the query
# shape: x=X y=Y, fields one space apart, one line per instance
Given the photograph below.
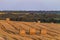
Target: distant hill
x=53 y=12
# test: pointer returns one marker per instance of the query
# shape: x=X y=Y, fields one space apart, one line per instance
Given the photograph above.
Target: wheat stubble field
x=14 y=30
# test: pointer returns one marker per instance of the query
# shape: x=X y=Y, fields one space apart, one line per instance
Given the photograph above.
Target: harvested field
x=14 y=30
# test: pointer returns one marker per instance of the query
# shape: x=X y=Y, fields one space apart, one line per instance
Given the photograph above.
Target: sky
x=29 y=4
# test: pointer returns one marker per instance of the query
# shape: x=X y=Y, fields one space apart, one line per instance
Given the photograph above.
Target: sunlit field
x=29 y=19
x=19 y=30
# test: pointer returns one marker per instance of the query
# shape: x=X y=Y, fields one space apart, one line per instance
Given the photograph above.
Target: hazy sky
x=29 y=4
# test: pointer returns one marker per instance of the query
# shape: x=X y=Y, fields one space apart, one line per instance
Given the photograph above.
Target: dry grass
x=13 y=30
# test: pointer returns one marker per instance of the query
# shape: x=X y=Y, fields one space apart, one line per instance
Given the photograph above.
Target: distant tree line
x=33 y=16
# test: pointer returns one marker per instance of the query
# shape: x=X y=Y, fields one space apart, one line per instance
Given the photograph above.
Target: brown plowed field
x=14 y=30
